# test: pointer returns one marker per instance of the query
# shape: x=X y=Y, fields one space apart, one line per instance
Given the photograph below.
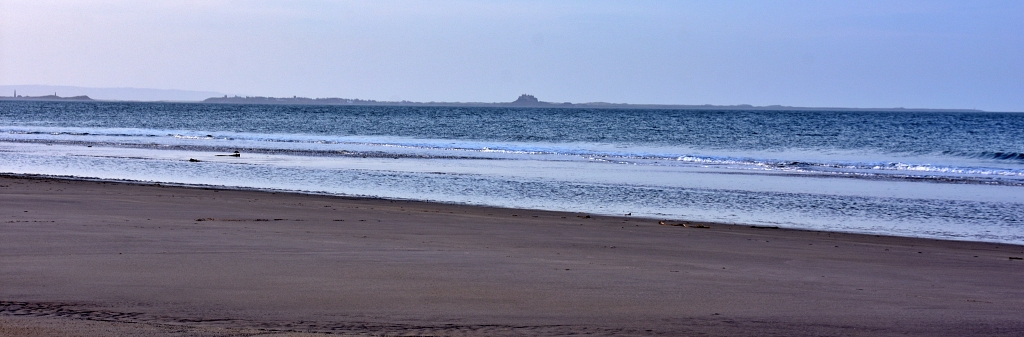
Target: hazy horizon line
x=175 y=95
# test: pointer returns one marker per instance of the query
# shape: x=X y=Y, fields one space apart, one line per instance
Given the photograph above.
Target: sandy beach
x=85 y=258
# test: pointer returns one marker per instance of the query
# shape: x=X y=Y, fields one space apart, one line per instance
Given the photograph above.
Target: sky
x=867 y=54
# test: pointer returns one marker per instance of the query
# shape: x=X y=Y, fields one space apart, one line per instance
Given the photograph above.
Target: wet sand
x=81 y=258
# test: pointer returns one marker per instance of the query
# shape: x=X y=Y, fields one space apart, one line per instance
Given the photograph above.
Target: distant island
x=531 y=101
x=53 y=97
x=105 y=94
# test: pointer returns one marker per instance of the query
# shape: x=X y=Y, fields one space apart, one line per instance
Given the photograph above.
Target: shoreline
x=97 y=257
x=385 y=199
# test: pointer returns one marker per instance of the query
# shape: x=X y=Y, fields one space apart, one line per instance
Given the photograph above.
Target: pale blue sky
x=928 y=54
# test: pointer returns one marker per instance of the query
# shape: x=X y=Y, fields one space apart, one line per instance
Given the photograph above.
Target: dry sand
x=81 y=258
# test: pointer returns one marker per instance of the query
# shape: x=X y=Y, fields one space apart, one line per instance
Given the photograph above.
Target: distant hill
x=108 y=94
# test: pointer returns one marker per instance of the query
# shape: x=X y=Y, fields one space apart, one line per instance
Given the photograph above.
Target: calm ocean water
x=927 y=174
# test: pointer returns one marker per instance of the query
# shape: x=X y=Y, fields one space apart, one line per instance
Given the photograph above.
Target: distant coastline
x=530 y=101
x=524 y=101
x=105 y=94
x=53 y=97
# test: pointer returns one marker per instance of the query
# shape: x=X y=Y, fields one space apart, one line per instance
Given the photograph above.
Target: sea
x=933 y=174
